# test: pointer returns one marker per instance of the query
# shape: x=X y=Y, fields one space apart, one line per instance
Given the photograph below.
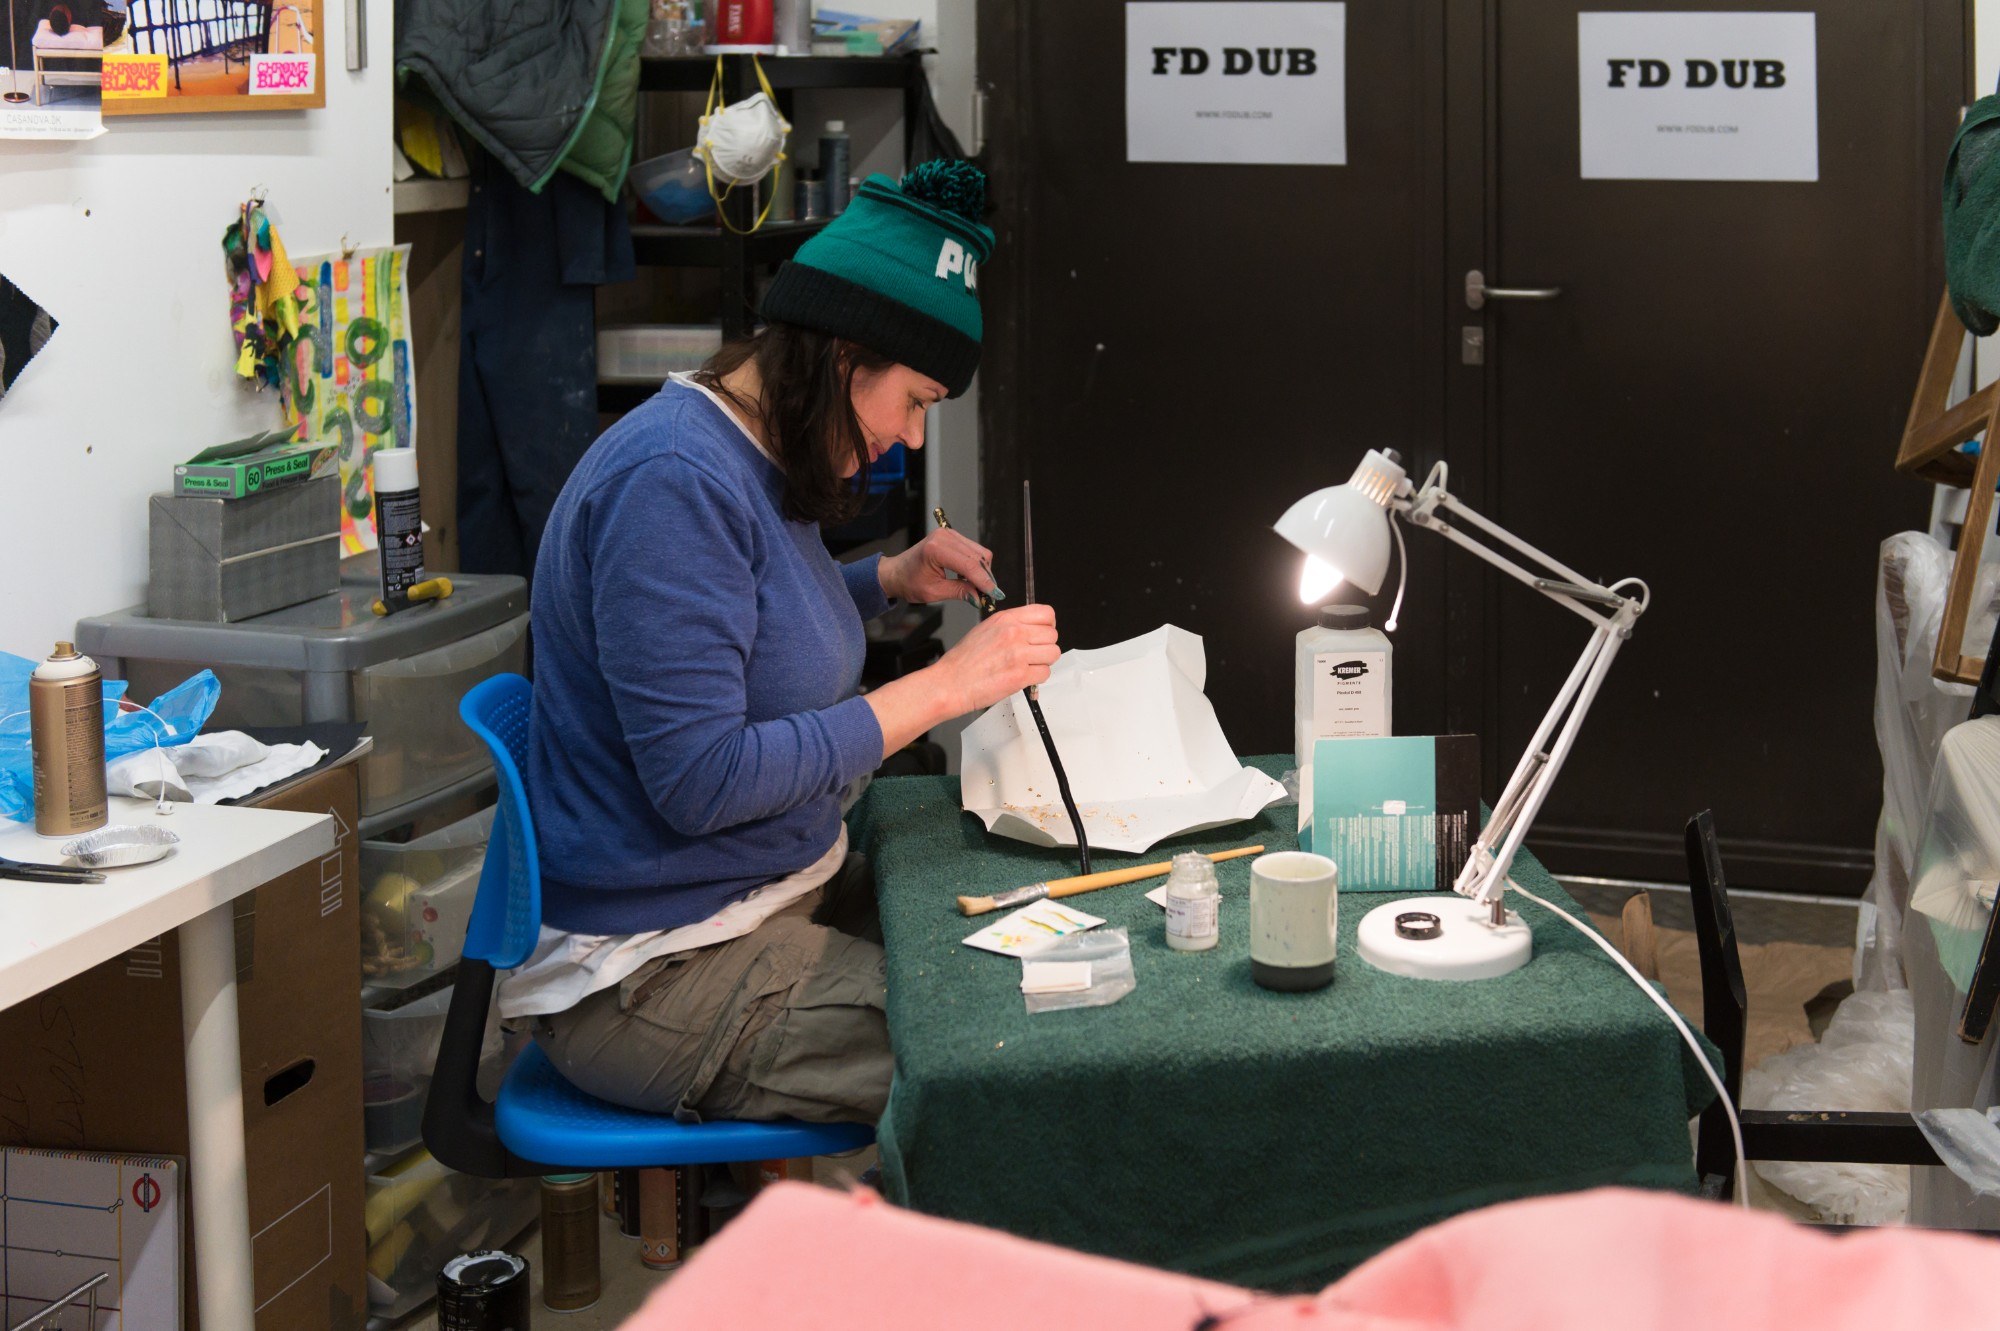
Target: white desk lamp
x=1344 y=531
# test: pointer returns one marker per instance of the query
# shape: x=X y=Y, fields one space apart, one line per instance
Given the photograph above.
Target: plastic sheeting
x=1862 y=1062
x=1912 y=713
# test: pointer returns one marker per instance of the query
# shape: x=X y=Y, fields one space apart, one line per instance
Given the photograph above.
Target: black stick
x=1062 y=785
x=1034 y=703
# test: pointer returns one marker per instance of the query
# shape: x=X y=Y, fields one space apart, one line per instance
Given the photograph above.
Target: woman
x=709 y=948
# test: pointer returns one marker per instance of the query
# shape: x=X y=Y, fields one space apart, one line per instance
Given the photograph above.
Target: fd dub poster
x=1247 y=83
x=1697 y=96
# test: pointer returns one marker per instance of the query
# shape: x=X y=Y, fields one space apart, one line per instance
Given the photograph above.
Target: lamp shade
x=1346 y=528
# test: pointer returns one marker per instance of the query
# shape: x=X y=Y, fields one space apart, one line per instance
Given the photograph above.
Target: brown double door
x=1711 y=403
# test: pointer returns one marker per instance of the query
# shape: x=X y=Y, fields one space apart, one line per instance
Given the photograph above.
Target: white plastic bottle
x=1342 y=679
x=1194 y=904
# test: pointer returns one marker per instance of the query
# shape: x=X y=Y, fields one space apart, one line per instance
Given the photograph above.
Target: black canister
x=484 y=1291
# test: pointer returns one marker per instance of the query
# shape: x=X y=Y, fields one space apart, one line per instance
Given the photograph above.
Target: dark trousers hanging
x=527 y=378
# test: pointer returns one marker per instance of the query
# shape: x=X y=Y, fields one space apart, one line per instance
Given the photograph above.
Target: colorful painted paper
x=353 y=373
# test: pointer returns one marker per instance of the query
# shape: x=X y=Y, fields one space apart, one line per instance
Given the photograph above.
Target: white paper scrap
x=1158 y=896
x=1146 y=758
x=1031 y=928
x=1054 y=977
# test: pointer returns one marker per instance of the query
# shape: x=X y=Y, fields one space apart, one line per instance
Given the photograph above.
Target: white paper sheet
x=1146 y=758
x=1031 y=928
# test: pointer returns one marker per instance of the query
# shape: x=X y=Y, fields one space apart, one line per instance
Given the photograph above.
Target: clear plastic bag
x=1862 y=1062
x=1958 y=862
x=1108 y=953
x=1913 y=711
x=185 y=709
x=1969 y=1144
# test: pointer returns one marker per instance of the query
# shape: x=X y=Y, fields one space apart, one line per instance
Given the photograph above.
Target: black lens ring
x=1418 y=924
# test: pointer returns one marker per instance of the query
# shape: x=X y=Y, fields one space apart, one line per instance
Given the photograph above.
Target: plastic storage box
x=399 y=1048
x=333 y=659
x=417 y=901
x=648 y=353
x=674 y=186
x=421 y=1214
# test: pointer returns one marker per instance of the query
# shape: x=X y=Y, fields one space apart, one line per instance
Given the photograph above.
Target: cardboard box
x=224 y=560
x=249 y=466
x=96 y=1064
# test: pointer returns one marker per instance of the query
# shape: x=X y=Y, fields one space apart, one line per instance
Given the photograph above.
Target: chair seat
x=540 y=1116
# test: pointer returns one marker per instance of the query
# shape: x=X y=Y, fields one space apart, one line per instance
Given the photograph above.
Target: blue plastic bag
x=181 y=713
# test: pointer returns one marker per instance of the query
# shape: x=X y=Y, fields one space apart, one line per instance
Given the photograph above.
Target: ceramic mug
x=1294 y=919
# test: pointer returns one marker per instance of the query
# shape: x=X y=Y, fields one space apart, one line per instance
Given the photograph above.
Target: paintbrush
x=1034 y=693
x=1090 y=882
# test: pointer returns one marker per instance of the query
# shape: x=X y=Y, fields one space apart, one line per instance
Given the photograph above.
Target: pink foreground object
x=806 y=1257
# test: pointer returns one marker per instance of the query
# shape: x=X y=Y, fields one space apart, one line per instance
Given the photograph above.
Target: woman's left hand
x=920 y=573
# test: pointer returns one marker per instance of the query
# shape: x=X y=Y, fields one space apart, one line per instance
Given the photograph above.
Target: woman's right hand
x=1005 y=653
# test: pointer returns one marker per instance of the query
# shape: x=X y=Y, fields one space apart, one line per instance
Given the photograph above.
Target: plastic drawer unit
x=334 y=659
x=421 y=1214
x=416 y=901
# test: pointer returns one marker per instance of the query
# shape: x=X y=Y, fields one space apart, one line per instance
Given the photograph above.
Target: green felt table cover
x=1205 y=1125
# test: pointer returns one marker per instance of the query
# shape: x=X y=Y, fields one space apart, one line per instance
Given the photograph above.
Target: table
x=51 y=932
x=1205 y=1125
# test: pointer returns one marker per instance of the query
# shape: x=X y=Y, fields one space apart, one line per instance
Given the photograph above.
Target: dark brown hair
x=806 y=407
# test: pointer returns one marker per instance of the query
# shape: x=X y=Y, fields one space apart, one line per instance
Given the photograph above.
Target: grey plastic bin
x=333 y=659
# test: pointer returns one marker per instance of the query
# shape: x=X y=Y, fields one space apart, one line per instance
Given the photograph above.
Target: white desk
x=52 y=931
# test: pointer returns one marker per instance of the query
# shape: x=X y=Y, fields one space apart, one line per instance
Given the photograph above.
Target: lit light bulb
x=1318 y=580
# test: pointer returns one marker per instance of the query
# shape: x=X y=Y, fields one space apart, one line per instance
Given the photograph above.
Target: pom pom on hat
x=952 y=186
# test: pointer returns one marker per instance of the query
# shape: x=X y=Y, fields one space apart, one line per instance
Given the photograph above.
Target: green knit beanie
x=898 y=272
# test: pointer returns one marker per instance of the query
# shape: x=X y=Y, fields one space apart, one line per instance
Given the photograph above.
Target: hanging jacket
x=543 y=85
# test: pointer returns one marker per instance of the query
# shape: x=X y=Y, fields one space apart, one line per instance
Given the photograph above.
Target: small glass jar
x=1194 y=904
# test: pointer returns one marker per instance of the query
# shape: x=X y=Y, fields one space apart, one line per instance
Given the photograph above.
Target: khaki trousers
x=784 y=1022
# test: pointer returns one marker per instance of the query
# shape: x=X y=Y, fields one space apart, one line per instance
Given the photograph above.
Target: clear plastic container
x=417 y=901
x=674 y=187
x=333 y=659
x=420 y=1214
x=648 y=353
x=399 y=1049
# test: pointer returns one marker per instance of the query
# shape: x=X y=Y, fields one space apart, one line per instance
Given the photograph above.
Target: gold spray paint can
x=66 y=734
x=571 y=1280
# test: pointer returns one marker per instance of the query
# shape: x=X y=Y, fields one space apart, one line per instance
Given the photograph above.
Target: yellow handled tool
x=431 y=589
x=1089 y=882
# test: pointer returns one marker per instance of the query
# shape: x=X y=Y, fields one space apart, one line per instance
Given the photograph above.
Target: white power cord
x=161 y=809
x=1680 y=1024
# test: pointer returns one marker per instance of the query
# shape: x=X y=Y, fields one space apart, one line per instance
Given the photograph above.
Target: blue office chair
x=539 y=1123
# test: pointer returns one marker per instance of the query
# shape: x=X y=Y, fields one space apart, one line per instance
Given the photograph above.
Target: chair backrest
x=507 y=911
x=1724 y=1004
x=506 y=917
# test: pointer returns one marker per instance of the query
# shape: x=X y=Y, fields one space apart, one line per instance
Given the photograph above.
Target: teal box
x=1398 y=814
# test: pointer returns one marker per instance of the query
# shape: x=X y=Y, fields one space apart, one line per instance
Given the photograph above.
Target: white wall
x=120 y=238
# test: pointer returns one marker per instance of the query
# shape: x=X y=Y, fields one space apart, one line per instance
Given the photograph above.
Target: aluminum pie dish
x=116 y=847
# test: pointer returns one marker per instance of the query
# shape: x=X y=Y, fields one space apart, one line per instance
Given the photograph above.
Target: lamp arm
x=1484 y=877
x=1611 y=613
x=1423 y=510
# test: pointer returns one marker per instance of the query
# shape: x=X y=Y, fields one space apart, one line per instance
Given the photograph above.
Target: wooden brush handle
x=1090 y=882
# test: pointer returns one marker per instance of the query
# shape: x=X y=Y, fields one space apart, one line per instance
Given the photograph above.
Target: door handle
x=1477 y=293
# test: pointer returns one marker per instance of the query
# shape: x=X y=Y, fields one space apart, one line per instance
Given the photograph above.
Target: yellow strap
x=708 y=163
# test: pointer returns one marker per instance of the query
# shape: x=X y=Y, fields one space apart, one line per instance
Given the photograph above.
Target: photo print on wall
x=25 y=329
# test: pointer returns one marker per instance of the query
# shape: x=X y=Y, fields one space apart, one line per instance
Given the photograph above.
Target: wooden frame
x=1931 y=440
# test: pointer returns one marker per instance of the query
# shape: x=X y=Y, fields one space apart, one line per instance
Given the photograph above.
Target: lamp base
x=1464 y=946
x=14 y=97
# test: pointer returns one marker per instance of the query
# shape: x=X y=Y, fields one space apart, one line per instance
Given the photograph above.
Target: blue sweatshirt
x=696 y=660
